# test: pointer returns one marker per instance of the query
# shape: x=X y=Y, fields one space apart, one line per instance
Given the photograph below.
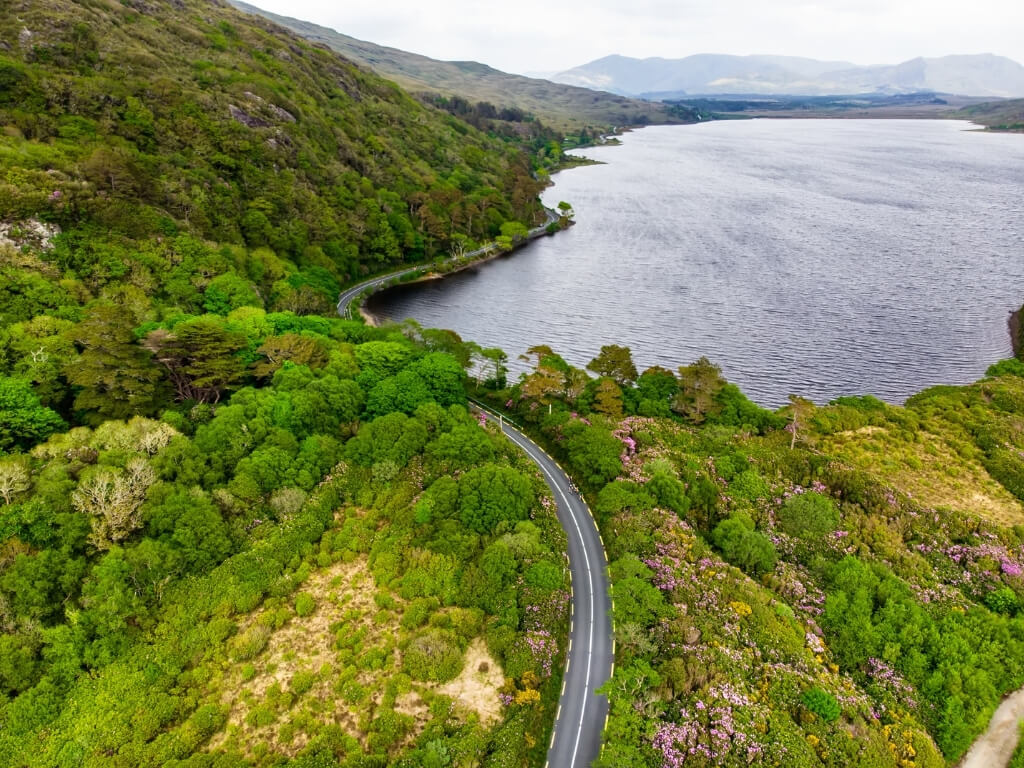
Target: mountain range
x=559 y=105
x=972 y=75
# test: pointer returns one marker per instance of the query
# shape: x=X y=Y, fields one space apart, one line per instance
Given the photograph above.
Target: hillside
x=981 y=75
x=235 y=529
x=191 y=117
x=564 y=107
x=997 y=115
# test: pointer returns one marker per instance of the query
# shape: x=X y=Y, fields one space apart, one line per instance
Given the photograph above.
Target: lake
x=816 y=257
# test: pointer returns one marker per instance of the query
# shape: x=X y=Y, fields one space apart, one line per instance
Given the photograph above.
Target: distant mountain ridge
x=556 y=104
x=967 y=75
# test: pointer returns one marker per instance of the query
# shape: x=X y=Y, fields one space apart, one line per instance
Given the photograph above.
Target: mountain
x=979 y=75
x=555 y=104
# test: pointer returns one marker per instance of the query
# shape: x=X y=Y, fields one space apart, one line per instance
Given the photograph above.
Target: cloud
x=545 y=35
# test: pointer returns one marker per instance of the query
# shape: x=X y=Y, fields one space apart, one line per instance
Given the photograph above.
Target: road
x=579 y=724
x=581 y=716
x=347 y=296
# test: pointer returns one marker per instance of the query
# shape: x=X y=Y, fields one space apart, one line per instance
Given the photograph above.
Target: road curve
x=582 y=713
x=579 y=724
x=349 y=294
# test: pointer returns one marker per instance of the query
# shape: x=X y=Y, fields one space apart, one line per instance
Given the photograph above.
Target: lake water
x=818 y=257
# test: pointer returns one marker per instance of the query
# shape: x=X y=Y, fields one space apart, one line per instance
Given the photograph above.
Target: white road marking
x=590 y=580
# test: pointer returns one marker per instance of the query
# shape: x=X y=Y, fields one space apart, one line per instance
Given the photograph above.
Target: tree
x=515 y=231
x=112 y=498
x=115 y=377
x=201 y=357
x=296 y=348
x=14 y=479
x=608 y=399
x=497 y=357
x=24 y=421
x=744 y=547
x=615 y=362
x=491 y=494
x=800 y=412
x=699 y=383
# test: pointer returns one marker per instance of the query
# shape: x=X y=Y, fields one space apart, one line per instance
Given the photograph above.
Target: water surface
x=819 y=257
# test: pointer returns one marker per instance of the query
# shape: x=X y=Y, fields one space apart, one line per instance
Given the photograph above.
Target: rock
x=32 y=232
x=281 y=114
x=25 y=37
x=246 y=119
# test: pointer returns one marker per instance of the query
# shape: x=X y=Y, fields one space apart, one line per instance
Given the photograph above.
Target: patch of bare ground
x=294 y=679
x=476 y=688
x=333 y=666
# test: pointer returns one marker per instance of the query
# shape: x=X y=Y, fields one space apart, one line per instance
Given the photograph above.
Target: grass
x=934 y=466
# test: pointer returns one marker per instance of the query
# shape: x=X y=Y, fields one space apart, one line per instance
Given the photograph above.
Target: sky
x=529 y=36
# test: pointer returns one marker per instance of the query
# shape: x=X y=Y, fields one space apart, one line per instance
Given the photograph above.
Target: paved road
x=579 y=724
x=580 y=721
x=349 y=294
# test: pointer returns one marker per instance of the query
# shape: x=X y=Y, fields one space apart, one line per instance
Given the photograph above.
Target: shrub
x=821 y=703
x=433 y=655
x=301 y=682
x=808 y=515
x=1003 y=600
x=304 y=604
x=249 y=643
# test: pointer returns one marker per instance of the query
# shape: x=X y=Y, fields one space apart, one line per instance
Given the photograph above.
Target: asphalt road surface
x=579 y=724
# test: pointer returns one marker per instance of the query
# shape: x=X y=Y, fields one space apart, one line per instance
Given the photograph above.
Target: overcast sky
x=547 y=35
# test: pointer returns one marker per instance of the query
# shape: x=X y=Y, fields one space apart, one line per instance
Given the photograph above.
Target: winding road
x=582 y=712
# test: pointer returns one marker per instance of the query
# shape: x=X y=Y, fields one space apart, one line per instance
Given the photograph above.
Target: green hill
x=1005 y=115
x=127 y=120
x=561 y=106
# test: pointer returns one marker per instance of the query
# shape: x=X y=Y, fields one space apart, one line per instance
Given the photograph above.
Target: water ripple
x=817 y=257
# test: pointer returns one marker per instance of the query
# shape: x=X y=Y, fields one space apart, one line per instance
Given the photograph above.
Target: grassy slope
x=561 y=106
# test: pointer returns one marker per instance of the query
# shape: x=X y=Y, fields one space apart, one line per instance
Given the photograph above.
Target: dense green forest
x=233 y=531
x=816 y=586
x=127 y=124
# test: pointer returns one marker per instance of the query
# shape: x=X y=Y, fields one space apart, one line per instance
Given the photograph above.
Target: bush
x=249 y=644
x=822 y=703
x=304 y=604
x=808 y=515
x=1003 y=600
x=433 y=655
x=744 y=547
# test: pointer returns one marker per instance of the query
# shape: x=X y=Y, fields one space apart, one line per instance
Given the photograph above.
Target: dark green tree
x=24 y=421
x=115 y=377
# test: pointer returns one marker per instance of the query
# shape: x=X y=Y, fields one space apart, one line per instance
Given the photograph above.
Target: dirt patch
x=476 y=687
x=300 y=664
